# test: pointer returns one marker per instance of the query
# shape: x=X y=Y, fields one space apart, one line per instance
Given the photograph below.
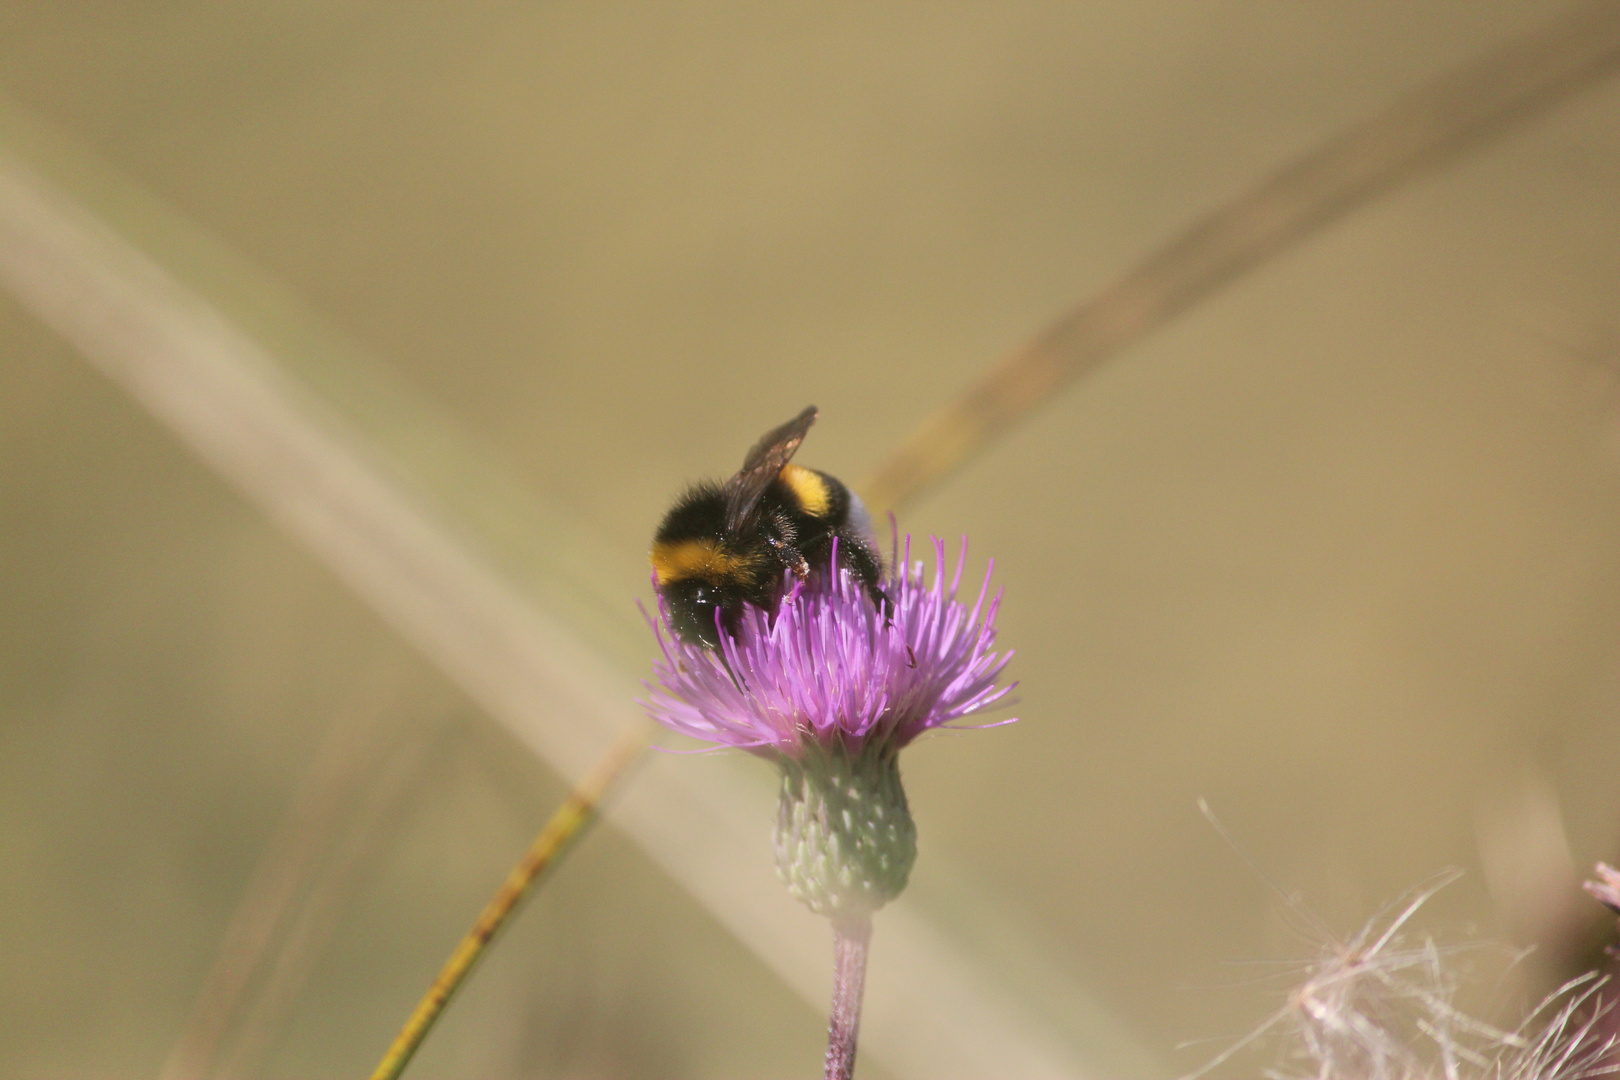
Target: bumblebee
x=722 y=546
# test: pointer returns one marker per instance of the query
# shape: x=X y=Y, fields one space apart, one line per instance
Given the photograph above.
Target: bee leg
x=885 y=608
x=736 y=680
x=880 y=600
x=790 y=556
x=725 y=623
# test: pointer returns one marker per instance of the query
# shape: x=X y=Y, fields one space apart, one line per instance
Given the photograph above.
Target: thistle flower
x=831 y=689
x=827 y=672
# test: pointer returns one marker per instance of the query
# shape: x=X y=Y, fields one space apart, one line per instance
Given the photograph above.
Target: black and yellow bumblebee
x=722 y=546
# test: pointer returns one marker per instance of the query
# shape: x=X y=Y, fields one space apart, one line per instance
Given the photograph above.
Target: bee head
x=699 y=608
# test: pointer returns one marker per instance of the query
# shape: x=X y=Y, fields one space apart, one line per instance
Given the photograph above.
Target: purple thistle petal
x=827 y=668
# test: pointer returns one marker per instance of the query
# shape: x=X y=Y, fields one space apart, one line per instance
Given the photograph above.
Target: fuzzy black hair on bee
x=722 y=546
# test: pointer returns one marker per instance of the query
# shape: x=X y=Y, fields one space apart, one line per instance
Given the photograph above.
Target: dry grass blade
x=564 y=827
x=390 y=789
x=1419 y=132
x=350 y=753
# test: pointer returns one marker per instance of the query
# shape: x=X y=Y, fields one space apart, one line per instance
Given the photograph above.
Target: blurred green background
x=1338 y=551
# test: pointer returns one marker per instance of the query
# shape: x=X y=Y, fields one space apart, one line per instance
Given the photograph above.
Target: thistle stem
x=851 y=938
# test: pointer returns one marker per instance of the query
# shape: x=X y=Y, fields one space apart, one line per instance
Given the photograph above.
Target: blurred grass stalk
x=1422 y=130
x=292 y=442
x=365 y=836
x=284 y=891
x=564 y=828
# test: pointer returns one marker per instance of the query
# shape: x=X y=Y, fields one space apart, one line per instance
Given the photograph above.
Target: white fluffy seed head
x=1380 y=1007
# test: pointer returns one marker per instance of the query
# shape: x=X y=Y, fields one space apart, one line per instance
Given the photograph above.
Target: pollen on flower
x=828 y=671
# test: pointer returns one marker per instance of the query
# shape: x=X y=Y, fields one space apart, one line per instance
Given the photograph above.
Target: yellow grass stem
x=566 y=825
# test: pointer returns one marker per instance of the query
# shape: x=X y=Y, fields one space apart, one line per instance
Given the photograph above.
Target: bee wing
x=762 y=466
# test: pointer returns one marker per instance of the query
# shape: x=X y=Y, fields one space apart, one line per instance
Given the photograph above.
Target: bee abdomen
x=816 y=493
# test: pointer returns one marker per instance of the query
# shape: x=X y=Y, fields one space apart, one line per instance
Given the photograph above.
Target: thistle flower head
x=832 y=687
x=828 y=672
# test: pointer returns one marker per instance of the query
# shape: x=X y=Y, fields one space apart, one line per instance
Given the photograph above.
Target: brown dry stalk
x=566 y=824
x=1419 y=132
x=391 y=788
x=350 y=752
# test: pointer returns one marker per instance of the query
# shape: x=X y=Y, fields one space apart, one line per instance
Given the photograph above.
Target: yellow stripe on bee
x=808 y=488
x=706 y=559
